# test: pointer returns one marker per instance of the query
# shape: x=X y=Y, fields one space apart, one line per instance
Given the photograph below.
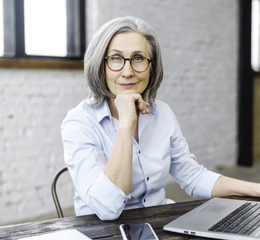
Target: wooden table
x=94 y=228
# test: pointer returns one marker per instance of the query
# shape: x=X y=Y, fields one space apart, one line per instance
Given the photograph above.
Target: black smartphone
x=143 y=231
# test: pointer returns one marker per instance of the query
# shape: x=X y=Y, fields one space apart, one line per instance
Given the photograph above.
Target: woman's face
x=128 y=45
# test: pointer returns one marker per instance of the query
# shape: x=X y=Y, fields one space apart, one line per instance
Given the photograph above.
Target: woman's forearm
x=226 y=186
x=119 y=166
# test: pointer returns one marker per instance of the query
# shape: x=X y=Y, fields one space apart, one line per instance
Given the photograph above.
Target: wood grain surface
x=95 y=228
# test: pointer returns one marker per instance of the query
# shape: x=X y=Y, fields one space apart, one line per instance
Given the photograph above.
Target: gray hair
x=94 y=64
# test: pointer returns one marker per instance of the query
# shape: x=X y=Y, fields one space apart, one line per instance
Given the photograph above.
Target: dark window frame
x=21 y=60
x=245 y=81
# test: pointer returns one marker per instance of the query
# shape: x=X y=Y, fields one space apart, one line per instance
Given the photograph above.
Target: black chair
x=54 y=193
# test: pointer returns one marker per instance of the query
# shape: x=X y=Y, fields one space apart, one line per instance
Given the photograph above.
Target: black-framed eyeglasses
x=138 y=63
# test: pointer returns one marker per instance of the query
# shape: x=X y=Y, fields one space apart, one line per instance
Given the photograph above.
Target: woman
x=121 y=143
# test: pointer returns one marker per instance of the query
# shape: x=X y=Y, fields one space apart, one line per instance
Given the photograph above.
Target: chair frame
x=54 y=192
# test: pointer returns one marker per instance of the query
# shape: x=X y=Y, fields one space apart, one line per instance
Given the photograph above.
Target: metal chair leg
x=54 y=193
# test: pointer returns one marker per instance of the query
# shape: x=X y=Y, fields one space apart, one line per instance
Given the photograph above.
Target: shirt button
x=147 y=178
x=139 y=151
x=144 y=200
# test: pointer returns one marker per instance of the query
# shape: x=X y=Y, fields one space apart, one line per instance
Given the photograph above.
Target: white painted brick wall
x=199 y=41
x=33 y=104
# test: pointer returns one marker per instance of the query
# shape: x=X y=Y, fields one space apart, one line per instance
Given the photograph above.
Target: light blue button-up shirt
x=88 y=135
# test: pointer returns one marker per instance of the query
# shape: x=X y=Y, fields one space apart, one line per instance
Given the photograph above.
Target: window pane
x=1 y=28
x=45 y=27
x=73 y=28
x=255 y=49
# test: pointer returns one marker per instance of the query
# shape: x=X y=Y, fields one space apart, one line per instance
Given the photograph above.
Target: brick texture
x=33 y=104
x=199 y=41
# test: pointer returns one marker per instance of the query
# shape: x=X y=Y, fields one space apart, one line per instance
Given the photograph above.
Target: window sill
x=41 y=63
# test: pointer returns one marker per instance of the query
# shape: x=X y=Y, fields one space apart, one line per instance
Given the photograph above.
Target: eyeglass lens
x=138 y=63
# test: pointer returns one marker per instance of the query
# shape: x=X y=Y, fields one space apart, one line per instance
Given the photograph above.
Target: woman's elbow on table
x=109 y=216
x=105 y=201
x=105 y=212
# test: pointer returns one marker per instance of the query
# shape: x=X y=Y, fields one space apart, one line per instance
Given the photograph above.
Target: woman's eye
x=138 y=58
x=116 y=58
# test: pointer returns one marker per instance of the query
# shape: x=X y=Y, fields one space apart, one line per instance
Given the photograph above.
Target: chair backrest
x=54 y=192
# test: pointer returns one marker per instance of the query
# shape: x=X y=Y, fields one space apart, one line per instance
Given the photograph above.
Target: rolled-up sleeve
x=194 y=178
x=112 y=207
x=85 y=160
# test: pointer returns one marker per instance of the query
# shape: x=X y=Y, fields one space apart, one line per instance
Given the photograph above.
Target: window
x=40 y=29
x=1 y=28
x=255 y=36
x=45 y=36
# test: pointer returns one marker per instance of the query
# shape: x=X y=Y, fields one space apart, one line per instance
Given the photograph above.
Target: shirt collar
x=153 y=108
x=103 y=111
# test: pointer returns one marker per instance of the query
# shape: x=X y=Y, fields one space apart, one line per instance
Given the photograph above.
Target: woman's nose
x=127 y=70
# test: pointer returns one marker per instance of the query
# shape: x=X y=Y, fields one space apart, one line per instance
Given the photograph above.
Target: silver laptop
x=222 y=219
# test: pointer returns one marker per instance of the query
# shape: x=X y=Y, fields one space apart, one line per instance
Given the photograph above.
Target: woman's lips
x=127 y=85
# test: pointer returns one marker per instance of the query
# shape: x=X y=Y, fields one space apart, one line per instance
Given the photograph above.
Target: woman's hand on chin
x=127 y=105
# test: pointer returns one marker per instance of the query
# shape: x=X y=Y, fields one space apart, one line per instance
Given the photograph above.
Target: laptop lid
x=201 y=219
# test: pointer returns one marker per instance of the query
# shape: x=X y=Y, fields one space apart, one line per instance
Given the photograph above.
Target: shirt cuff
x=108 y=194
x=206 y=184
